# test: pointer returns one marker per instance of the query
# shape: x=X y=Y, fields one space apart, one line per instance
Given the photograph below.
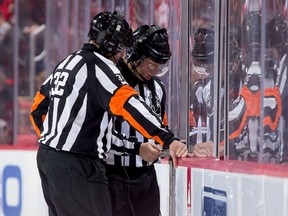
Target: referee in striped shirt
x=132 y=179
x=73 y=114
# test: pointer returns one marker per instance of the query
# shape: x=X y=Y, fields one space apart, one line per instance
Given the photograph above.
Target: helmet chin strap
x=136 y=72
x=114 y=59
x=108 y=54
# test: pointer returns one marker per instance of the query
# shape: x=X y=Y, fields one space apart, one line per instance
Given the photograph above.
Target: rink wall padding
x=196 y=187
x=215 y=187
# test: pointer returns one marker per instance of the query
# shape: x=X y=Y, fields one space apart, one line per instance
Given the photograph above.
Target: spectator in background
x=6 y=46
x=31 y=26
x=6 y=97
x=161 y=14
x=7 y=9
x=5 y=27
x=139 y=13
x=40 y=74
x=5 y=133
x=6 y=110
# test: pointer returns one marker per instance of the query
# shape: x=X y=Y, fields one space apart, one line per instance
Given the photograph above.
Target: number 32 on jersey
x=59 y=81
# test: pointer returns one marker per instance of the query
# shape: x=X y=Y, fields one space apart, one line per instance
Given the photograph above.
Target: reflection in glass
x=248 y=137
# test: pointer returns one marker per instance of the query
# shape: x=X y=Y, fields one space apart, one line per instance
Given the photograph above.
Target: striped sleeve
x=39 y=107
x=125 y=103
x=38 y=112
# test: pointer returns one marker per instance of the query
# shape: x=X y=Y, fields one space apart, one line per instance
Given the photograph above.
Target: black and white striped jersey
x=74 y=108
x=125 y=139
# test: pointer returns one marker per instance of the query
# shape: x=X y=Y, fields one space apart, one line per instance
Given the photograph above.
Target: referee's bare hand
x=203 y=150
x=177 y=150
x=149 y=151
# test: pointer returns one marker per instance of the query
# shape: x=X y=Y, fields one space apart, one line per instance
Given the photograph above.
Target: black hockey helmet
x=150 y=42
x=203 y=50
x=277 y=33
x=110 y=31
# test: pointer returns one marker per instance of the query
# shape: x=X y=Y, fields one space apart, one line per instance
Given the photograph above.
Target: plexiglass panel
x=202 y=73
x=228 y=75
x=257 y=117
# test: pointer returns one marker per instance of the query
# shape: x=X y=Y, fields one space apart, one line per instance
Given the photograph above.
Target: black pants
x=73 y=185
x=137 y=195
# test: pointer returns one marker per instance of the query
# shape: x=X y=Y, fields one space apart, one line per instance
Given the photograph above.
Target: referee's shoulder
x=86 y=57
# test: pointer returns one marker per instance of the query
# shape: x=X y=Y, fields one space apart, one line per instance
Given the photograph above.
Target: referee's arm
x=40 y=107
x=125 y=103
